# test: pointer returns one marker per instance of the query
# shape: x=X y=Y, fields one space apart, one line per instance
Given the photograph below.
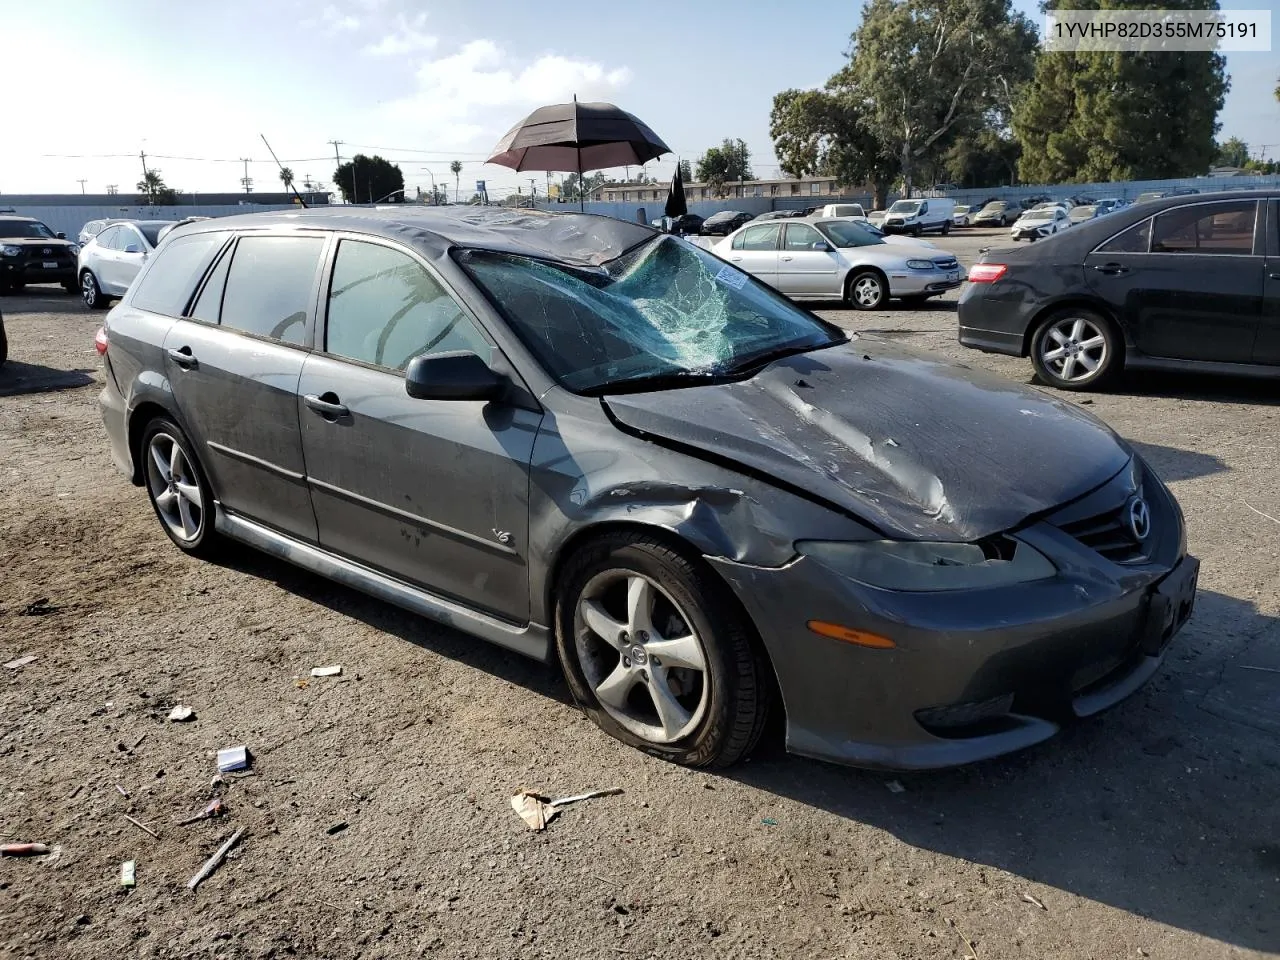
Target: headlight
x=10 y=251
x=75 y=249
x=920 y=264
x=926 y=566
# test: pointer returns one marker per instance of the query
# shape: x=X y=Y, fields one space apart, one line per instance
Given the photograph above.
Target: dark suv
x=32 y=253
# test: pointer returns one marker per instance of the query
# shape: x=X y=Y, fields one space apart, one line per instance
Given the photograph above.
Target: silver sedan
x=826 y=258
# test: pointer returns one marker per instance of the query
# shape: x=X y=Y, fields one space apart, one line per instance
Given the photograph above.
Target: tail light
x=986 y=272
x=100 y=341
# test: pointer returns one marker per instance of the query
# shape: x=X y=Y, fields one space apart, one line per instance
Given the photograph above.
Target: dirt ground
x=1151 y=831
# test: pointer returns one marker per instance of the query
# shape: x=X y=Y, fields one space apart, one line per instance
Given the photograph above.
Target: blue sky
x=419 y=81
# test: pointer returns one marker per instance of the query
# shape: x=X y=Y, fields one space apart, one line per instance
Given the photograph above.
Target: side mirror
x=132 y=248
x=457 y=375
x=61 y=236
x=821 y=245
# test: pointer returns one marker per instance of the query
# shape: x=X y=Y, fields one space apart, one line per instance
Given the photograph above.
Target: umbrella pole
x=582 y=185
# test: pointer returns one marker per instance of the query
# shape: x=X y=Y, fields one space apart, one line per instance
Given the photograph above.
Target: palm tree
x=151 y=186
x=456 y=168
x=286 y=177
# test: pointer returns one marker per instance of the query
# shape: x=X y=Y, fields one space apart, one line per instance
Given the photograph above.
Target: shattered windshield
x=666 y=309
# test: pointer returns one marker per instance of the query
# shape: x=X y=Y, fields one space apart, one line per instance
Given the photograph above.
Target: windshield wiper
x=762 y=358
x=670 y=380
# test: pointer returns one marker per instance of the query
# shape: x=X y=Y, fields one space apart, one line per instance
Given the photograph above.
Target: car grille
x=58 y=253
x=946 y=263
x=1108 y=533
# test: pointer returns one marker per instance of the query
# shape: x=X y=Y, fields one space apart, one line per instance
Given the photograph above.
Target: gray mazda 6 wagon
x=577 y=437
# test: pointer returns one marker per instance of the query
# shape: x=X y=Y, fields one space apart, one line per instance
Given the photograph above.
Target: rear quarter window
x=167 y=286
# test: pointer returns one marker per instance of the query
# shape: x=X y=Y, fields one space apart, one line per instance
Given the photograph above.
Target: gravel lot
x=1151 y=831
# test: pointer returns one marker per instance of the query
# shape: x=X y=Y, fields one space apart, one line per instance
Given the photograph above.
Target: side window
x=1134 y=240
x=1207 y=228
x=763 y=237
x=209 y=304
x=801 y=237
x=128 y=237
x=738 y=240
x=166 y=287
x=108 y=237
x=924 y=208
x=386 y=309
x=270 y=285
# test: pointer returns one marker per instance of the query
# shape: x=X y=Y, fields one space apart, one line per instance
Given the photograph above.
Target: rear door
x=102 y=262
x=1187 y=283
x=755 y=250
x=804 y=271
x=234 y=363
x=433 y=492
x=1266 y=348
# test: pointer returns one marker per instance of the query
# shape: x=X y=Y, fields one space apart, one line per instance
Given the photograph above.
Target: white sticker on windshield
x=732 y=277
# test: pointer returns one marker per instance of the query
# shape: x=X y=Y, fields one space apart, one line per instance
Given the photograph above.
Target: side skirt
x=531 y=639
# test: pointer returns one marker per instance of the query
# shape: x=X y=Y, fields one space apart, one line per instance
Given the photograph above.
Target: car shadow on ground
x=1191 y=385
x=932 y=305
x=1163 y=807
x=538 y=678
x=1173 y=465
x=42 y=300
x=18 y=377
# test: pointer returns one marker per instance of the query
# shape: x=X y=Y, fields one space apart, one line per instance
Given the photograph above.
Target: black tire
x=91 y=293
x=856 y=282
x=4 y=344
x=738 y=683
x=946 y=227
x=1109 y=358
x=206 y=542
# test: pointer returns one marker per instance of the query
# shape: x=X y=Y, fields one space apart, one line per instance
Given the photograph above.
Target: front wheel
x=177 y=488
x=866 y=290
x=658 y=654
x=91 y=293
x=1076 y=349
x=946 y=227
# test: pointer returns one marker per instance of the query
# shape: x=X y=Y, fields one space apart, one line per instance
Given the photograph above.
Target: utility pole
x=246 y=180
x=533 y=191
x=82 y=183
x=338 y=160
x=113 y=189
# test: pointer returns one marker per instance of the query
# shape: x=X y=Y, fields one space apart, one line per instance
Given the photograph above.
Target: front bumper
x=22 y=270
x=915 y=282
x=899 y=226
x=974 y=674
x=1029 y=233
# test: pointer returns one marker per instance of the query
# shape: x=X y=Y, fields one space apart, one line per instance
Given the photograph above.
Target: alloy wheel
x=1074 y=349
x=641 y=656
x=867 y=291
x=89 y=290
x=173 y=486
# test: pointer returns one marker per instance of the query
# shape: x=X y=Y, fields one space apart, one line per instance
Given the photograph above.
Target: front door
x=755 y=250
x=234 y=365
x=804 y=271
x=131 y=254
x=1266 y=348
x=1186 y=284
x=433 y=492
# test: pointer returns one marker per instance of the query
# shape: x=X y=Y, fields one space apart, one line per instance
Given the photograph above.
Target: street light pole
x=427 y=171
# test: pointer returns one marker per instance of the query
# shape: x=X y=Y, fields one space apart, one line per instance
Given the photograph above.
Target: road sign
x=479 y=186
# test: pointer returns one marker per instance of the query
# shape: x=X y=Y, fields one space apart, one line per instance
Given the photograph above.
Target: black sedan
x=724 y=223
x=1185 y=282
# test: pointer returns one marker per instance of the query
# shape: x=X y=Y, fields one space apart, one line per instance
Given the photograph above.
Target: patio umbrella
x=577 y=137
x=676 y=206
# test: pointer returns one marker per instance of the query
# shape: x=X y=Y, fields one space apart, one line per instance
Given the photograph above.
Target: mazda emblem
x=1139 y=519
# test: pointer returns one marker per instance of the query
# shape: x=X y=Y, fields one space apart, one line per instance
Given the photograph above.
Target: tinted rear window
x=168 y=285
x=151 y=229
x=270 y=286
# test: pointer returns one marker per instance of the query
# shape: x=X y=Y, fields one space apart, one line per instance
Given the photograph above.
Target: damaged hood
x=918 y=447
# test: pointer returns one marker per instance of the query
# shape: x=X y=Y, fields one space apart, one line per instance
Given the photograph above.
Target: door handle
x=787 y=258
x=1274 y=276
x=735 y=259
x=184 y=358
x=1112 y=269
x=327 y=405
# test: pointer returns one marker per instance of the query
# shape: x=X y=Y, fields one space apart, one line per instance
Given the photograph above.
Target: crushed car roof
x=575 y=238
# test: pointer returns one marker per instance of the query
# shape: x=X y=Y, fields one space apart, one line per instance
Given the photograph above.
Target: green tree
x=820 y=132
x=727 y=162
x=1233 y=153
x=369 y=180
x=924 y=70
x=1089 y=116
x=286 y=177
x=455 y=167
x=987 y=157
x=155 y=191
x=571 y=185
x=686 y=171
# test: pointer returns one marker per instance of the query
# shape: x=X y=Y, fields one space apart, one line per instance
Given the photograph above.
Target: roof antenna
x=281 y=166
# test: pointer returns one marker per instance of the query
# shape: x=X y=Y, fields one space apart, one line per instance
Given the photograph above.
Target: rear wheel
x=946 y=227
x=866 y=290
x=658 y=654
x=177 y=488
x=1076 y=349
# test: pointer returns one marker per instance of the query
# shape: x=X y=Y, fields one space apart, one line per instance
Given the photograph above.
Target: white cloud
x=407 y=36
x=482 y=75
x=333 y=20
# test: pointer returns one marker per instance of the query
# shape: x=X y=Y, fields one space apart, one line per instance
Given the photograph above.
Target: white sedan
x=825 y=258
x=1041 y=222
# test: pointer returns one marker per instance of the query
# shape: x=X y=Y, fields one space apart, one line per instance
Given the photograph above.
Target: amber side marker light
x=849 y=635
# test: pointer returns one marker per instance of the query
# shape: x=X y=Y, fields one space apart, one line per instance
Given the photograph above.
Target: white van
x=849 y=211
x=920 y=216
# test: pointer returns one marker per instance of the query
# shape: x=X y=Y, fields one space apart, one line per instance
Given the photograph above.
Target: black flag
x=676 y=207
